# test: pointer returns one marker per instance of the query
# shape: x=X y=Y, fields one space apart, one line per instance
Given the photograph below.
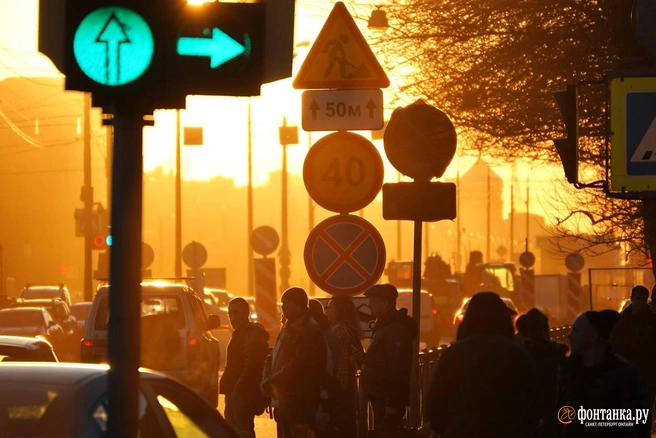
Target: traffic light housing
x=103 y=238
x=153 y=53
x=567 y=147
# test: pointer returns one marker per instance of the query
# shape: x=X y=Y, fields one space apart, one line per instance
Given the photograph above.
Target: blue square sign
x=633 y=134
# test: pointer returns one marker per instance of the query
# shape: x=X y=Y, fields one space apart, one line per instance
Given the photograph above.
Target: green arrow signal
x=220 y=48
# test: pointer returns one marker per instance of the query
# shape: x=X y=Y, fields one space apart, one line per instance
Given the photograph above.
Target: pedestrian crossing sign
x=340 y=57
x=633 y=134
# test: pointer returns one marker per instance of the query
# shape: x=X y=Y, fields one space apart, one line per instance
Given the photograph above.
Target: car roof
x=154 y=286
x=82 y=304
x=23 y=309
x=45 y=287
x=22 y=341
x=59 y=373
x=38 y=302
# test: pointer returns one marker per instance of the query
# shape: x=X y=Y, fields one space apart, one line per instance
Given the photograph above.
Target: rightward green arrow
x=220 y=48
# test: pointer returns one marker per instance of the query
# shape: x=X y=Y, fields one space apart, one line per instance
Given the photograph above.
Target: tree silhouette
x=491 y=66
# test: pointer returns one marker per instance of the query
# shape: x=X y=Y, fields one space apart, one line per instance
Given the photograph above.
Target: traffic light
x=159 y=51
x=99 y=241
x=567 y=147
x=103 y=238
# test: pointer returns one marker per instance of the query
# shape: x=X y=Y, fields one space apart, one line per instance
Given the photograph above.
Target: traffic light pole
x=87 y=198
x=415 y=413
x=124 y=332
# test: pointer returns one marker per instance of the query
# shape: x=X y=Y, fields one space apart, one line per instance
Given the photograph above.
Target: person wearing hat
x=385 y=374
x=634 y=338
x=484 y=384
x=292 y=374
x=595 y=377
x=533 y=335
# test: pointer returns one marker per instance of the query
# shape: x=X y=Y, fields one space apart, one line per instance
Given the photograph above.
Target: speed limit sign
x=343 y=172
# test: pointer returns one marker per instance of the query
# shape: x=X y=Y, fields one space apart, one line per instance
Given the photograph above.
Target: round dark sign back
x=147 y=255
x=264 y=240
x=574 y=262
x=420 y=141
x=643 y=19
x=527 y=259
x=194 y=255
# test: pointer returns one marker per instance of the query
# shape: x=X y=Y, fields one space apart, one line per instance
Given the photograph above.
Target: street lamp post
x=288 y=135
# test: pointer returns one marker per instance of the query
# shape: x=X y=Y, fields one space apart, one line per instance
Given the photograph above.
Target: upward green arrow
x=220 y=48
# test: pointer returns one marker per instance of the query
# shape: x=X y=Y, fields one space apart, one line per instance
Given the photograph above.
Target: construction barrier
x=266 y=302
x=527 y=289
x=574 y=295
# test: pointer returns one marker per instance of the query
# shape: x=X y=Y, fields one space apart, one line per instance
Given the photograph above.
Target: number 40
x=353 y=171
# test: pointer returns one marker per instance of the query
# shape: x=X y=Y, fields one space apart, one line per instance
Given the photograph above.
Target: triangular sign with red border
x=340 y=58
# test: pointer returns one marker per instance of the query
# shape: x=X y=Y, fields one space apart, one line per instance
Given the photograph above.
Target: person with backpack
x=293 y=373
x=345 y=325
x=386 y=366
x=246 y=352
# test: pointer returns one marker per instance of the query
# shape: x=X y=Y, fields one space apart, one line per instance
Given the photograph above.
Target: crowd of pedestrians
x=502 y=376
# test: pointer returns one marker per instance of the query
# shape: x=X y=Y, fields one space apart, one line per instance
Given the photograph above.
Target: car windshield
x=25 y=407
x=56 y=309
x=164 y=305
x=21 y=319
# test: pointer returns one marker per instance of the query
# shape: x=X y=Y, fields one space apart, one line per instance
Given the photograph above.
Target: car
x=32 y=322
x=81 y=312
x=460 y=313
x=24 y=349
x=68 y=348
x=221 y=296
x=175 y=335
x=57 y=308
x=56 y=399
x=31 y=292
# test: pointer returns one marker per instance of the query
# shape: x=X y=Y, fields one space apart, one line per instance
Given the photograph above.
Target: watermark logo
x=602 y=417
x=566 y=414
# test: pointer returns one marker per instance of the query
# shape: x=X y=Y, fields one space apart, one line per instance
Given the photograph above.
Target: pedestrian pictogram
x=633 y=138
x=113 y=45
x=343 y=172
x=344 y=255
x=340 y=57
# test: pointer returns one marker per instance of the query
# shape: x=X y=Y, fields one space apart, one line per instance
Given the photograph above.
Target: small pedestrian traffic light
x=99 y=241
x=567 y=147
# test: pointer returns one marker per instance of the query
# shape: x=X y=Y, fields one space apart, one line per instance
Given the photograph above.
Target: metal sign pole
x=415 y=414
x=123 y=341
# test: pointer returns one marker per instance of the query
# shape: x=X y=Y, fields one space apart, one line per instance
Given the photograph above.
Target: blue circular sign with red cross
x=344 y=255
